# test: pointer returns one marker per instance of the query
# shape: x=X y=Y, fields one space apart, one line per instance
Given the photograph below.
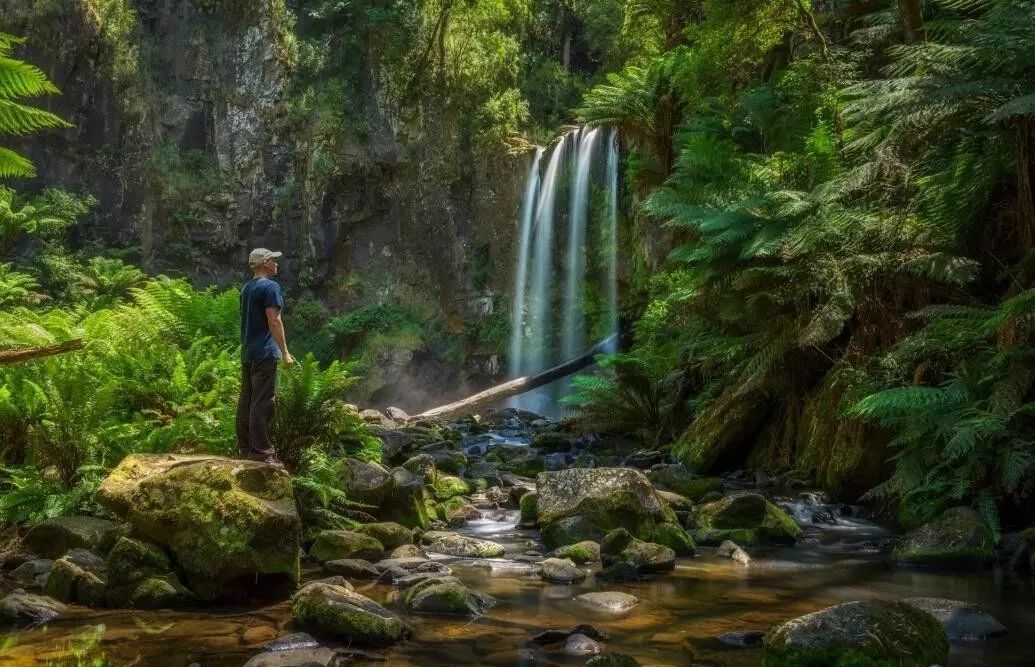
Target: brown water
x=676 y=623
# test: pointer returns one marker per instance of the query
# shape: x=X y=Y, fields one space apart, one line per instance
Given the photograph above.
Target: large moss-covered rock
x=580 y=552
x=859 y=633
x=446 y=595
x=141 y=576
x=959 y=538
x=525 y=465
x=345 y=615
x=55 y=537
x=368 y=483
x=586 y=503
x=78 y=576
x=678 y=479
x=674 y=537
x=224 y=521
x=342 y=544
x=529 y=506
x=745 y=518
x=388 y=533
x=405 y=501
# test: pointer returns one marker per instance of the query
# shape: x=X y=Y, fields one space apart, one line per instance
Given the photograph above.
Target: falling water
x=534 y=344
x=612 y=238
x=573 y=332
x=542 y=262
x=517 y=336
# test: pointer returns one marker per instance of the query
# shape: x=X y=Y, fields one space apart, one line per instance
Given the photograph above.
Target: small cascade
x=573 y=331
x=566 y=254
x=517 y=337
x=612 y=237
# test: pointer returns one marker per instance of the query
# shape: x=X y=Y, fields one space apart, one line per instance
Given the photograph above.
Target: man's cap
x=260 y=255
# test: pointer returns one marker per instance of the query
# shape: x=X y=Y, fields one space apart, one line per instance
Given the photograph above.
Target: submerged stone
x=742 y=637
x=580 y=644
x=346 y=615
x=448 y=596
x=859 y=633
x=959 y=538
x=608 y=600
x=225 y=521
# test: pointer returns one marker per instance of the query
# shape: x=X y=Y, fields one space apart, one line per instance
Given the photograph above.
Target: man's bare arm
x=277 y=330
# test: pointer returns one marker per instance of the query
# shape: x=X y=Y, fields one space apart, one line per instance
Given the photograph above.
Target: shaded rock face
x=225 y=522
x=345 y=615
x=345 y=544
x=55 y=537
x=959 y=538
x=677 y=479
x=586 y=503
x=745 y=518
x=961 y=620
x=202 y=127
x=21 y=608
x=141 y=576
x=79 y=576
x=868 y=632
x=619 y=547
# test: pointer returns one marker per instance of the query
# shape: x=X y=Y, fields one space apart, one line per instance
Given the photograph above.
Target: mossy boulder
x=745 y=518
x=529 y=506
x=55 y=537
x=674 y=537
x=368 y=483
x=551 y=441
x=388 y=533
x=620 y=547
x=580 y=552
x=447 y=596
x=525 y=465
x=404 y=501
x=447 y=486
x=581 y=504
x=872 y=632
x=78 y=576
x=450 y=461
x=342 y=544
x=959 y=538
x=462 y=546
x=678 y=479
x=562 y=571
x=457 y=511
x=141 y=576
x=225 y=521
x=345 y=615
x=422 y=465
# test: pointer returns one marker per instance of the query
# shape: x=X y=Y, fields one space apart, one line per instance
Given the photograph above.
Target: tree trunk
x=520 y=385
x=15 y=356
x=912 y=15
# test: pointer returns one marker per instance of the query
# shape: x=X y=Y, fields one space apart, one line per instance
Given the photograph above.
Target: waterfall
x=573 y=328
x=517 y=333
x=549 y=325
x=612 y=237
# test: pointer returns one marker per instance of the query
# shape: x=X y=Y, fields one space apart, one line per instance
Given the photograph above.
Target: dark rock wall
x=182 y=134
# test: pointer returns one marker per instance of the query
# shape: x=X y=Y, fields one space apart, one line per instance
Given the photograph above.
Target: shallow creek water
x=676 y=623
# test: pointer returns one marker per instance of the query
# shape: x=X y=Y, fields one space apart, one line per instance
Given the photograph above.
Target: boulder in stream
x=343 y=544
x=586 y=503
x=388 y=533
x=462 y=546
x=226 y=522
x=581 y=553
x=864 y=632
x=19 y=608
x=619 y=546
x=959 y=538
x=745 y=518
x=961 y=620
x=345 y=615
x=611 y=601
x=561 y=571
x=447 y=595
x=140 y=576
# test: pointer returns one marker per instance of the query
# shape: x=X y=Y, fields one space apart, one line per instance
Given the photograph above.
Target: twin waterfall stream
x=552 y=322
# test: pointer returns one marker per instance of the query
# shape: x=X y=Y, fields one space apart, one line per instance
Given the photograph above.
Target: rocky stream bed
x=504 y=541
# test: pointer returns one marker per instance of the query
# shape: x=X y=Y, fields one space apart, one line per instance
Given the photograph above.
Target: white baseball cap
x=260 y=255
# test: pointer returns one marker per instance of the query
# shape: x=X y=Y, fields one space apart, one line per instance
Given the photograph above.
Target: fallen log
x=16 y=356
x=472 y=404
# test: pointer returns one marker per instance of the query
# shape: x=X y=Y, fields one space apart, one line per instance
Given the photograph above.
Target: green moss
x=529 y=507
x=448 y=486
x=745 y=518
x=580 y=552
x=325 y=612
x=674 y=537
x=340 y=544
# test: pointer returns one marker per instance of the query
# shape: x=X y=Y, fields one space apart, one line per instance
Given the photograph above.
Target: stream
x=679 y=619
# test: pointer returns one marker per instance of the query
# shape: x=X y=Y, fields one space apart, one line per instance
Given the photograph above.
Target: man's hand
x=288 y=361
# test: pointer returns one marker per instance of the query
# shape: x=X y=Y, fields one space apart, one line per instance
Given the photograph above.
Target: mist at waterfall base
x=566 y=274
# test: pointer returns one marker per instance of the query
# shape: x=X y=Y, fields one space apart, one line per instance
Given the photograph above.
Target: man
x=262 y=344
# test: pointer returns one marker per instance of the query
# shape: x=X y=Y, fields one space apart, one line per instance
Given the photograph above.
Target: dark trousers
x=255 y=409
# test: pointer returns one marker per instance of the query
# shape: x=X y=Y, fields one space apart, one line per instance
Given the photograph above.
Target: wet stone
x=580 y=644
x=562 y=571
x=294 y=641
x=961 y=620
x=547 y=637
x=351 y=568
x=730 y=549
x=21 y=608
x=742 y=638
x=608 y=600
x=32 y=573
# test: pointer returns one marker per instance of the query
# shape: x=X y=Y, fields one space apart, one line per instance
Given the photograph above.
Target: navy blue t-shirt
x=257 y=342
